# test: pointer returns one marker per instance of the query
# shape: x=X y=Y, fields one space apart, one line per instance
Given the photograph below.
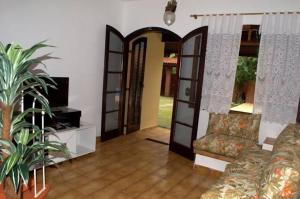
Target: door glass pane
x=185 y=113
x=183 y=135
x=189 y=67
x=112 y=101
x=135 y=63
x=141 y=53
x=114 y=82
x=186 y=90
x=111 y=121
x=185 y=121
x=115 y=43
x=133 y=115
x=192 y=46
x=115 y=62
x=136 y=84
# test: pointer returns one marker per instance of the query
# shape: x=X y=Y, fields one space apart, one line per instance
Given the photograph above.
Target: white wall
x=144 y=13
x=152 y=80
x=141 y=13
x=77 y=28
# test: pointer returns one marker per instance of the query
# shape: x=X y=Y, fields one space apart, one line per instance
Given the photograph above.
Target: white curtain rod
x=195 y=16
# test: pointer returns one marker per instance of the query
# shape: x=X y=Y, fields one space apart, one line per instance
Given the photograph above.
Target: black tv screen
x=58 y=97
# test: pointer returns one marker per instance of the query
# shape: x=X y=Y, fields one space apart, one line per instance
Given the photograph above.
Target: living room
x=120 y=167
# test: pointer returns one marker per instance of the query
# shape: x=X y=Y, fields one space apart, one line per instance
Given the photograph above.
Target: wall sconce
x=169 y=16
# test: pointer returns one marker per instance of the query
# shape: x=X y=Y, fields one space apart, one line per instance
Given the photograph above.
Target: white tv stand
x=80 y=141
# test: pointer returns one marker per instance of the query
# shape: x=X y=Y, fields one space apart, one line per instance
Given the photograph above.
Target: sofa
x=228 y=135
x=260 y=174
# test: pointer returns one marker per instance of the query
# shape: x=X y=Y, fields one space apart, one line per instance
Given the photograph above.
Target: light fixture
x=169 y=16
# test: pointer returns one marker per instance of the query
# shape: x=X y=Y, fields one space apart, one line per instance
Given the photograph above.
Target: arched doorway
x=141 y=31
x=146 y=73
x=118 y=81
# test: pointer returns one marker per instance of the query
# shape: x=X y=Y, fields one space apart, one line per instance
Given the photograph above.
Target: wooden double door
x=135 y=84
x=121 y=106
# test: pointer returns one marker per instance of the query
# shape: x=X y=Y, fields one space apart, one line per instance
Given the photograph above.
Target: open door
x=188 y=95
x=137 y=70
x=113 y=85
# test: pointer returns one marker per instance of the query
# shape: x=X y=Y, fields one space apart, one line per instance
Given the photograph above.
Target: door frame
x=126 y=41
x=175 y=147
x=142 y=31
x=130 y=37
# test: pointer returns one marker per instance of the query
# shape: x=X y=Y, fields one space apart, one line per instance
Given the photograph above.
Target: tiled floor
x=130 y=167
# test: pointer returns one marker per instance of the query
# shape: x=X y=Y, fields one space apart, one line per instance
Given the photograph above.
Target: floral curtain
x=223 y=44
x=277 y=87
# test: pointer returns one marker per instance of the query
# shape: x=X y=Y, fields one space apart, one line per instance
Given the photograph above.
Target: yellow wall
x=152 y=80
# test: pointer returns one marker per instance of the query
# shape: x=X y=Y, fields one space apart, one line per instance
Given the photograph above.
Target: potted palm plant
x=21 y=147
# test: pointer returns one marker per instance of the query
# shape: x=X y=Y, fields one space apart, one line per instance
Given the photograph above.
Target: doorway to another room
x=132 y=82
x=168 y=84
x=151 y=84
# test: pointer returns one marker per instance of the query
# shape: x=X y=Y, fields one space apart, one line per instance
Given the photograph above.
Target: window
x=244 y=88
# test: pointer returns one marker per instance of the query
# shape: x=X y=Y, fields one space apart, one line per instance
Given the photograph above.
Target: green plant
x=21 y=147
x=246 y=70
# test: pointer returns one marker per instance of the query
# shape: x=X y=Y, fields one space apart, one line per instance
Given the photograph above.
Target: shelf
x=83 y=125
x=81 y=150
x=80 y=141
x=56 y=159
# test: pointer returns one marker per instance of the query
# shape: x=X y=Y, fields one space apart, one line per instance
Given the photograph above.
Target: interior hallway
x=130 y=167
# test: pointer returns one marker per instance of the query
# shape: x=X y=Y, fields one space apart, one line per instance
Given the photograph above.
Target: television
x=58 y=97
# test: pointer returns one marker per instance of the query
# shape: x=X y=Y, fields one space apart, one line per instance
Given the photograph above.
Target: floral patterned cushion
x=252 y=160
x=289 y=136
x=241 y=178
x=244 y=125
x=263 y=174
x=217 y=123
x=221 y=144
x=234 y=186
x=281 y=178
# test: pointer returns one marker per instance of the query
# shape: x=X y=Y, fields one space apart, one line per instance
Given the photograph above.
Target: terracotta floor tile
x=130 y=167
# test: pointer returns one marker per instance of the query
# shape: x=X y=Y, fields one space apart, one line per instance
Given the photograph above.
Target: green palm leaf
x=24 y=149
x=15 y=178
x=24 y=172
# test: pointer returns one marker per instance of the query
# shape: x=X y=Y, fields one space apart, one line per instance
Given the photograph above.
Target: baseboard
x=211 y=163
x=147 y=128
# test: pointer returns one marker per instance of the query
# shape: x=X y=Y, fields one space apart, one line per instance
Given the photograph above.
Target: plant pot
x=27 y=192
x=7 y=192
x=2 y=194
